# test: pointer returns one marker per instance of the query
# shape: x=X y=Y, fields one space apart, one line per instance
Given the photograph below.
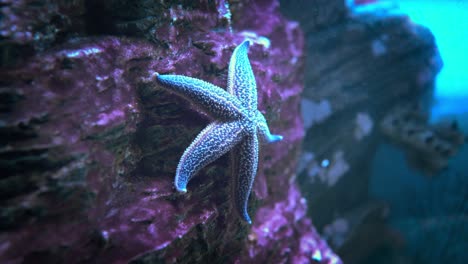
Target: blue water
x=448 y=21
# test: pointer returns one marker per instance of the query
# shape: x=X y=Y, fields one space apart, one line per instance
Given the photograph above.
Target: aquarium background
x=424 y=210
x=431 y=212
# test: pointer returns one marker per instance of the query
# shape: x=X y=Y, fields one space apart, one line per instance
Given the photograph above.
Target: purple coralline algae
x=284 y=226
x=90 y=144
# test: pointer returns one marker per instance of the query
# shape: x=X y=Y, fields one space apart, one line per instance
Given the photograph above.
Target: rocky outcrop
x=89 y=146
x=428 y=146
x=29 y=27
x=357 y=71
x=362 y=66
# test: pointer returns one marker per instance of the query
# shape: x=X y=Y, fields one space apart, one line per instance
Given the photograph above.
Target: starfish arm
x=212 y=99
x=245 y=167
x=213 y=142
x=241 y=80
x=264 y=131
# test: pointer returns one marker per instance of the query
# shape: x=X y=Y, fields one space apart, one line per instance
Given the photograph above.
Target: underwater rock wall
x=89 y=145
x=28 y=27
x=357 y=72
x=363 y=66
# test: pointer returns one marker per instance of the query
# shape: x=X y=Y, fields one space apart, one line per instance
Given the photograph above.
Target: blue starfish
x=237 y=125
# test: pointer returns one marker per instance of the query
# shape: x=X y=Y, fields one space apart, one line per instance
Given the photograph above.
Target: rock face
x=89 y=146
x=28 y=27
x=428 y=147
x=363 y=66
x=357 y=72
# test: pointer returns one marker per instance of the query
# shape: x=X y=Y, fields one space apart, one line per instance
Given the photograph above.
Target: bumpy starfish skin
x=237 y=126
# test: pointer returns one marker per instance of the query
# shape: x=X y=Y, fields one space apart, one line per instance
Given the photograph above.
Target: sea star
x=237 y=124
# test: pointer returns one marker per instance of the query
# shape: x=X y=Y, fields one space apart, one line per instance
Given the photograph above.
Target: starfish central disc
x=237 y=126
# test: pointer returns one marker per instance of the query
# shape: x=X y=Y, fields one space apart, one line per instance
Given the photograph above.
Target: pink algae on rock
x=93 y=145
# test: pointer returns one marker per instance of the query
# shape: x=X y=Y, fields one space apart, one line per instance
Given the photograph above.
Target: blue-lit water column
x=448 y=21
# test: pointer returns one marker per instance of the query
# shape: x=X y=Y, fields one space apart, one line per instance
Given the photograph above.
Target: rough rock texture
x=357 y=72
x=428 y=147
x=89 y=146
x=360 y=66
x=276 y=229
x=31 y=26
